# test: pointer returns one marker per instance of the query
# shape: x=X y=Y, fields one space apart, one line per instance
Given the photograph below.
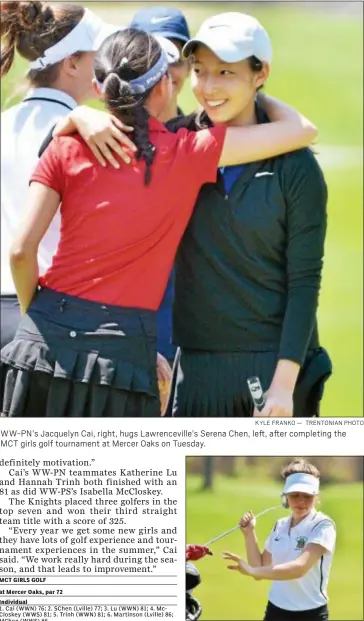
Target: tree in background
x=208 y=472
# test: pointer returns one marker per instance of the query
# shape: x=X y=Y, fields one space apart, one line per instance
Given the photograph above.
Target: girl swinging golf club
x=298 y=553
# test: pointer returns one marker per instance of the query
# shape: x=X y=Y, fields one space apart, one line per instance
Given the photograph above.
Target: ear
x=97 y=90
x=70 y=65
x=164 y=84
x=161 y=92
x=262 y=76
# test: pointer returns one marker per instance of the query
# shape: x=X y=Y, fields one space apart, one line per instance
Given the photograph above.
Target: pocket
x=40 y=327
x=103 y=331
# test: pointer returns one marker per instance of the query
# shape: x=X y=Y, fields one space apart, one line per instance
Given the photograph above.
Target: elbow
x=310 y=132
x=20 y=254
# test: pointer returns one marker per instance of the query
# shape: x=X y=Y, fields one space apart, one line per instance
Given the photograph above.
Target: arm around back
x=288 y=131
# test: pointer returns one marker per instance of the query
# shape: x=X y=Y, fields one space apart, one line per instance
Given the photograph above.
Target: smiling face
x=300 y=504
x=226 y=91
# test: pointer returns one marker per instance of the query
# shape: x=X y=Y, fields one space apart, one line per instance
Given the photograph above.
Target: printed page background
x=318 y=67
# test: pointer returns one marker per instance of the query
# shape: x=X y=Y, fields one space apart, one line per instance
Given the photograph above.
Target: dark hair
x=256 y=66
x=300 y=466
x=31 y=28
x=125 y=56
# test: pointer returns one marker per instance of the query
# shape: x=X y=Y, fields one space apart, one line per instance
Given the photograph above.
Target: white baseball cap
x=87 y=36
x=301 y=482
x=233 y=37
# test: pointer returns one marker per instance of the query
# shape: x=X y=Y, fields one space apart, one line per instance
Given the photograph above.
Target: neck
x=170 y=112
x=71 y=89
x=296 y=520
x=246 y=117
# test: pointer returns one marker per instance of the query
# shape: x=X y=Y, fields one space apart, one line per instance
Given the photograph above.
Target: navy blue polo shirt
x=164 y=315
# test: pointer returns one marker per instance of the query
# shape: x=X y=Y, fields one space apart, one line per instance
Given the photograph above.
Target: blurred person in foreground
x=193 y=579
x=170 y=23
x=298 y=553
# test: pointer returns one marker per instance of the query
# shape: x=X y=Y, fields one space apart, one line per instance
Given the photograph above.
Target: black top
x=248 y=270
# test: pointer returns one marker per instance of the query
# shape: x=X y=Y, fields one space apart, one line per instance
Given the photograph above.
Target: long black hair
x=125 y=56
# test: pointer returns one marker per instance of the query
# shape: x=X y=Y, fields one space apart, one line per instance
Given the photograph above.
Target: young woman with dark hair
x=58 y=41
x=87 y=343
x=171 y=23
x=248 y=272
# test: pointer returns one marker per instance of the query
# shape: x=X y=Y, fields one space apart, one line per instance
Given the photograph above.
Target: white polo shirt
x=23 y=129
x=285 y=544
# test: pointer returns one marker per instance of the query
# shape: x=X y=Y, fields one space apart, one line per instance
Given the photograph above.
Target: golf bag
x=193 y=606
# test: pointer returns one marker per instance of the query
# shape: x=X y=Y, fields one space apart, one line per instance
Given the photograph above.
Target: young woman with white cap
x=298 y=553
x=58 y=41
x=248 y=272
x=87 y=343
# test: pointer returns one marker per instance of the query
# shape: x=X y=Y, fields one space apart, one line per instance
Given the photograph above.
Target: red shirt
x=119 y=237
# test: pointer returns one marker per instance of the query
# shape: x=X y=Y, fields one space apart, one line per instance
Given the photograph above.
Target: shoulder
x=69 y=146
x=302 y=159
x=281 y=524
x=187 y=142
x=9 y=117
x=322 y=521
x=301 y=175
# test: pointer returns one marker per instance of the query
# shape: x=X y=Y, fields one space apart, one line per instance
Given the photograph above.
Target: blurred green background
x=240 y=484
x=317 y=67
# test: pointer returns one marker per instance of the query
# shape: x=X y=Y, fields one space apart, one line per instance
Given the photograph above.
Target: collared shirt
x=119 y=237
x=286 y=544
x=230 y=174
x=23 y=128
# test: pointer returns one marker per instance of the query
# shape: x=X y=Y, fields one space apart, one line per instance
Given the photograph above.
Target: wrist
x=66 y=125
x=285 y=376
x=253 y=572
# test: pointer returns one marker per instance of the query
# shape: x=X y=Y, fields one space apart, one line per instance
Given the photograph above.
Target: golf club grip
x=256 y=392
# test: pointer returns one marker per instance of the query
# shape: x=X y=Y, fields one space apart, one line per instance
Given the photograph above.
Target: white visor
x=301 y=482
x=87 y=36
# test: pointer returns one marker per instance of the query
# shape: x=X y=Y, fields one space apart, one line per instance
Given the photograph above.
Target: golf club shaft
x=236 y=527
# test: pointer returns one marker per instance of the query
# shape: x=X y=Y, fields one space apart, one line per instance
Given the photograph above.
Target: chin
x=218 y=118
x=219 y=115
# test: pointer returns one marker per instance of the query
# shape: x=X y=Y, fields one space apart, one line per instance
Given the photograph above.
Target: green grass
x=229 y=596
x=317 y=67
